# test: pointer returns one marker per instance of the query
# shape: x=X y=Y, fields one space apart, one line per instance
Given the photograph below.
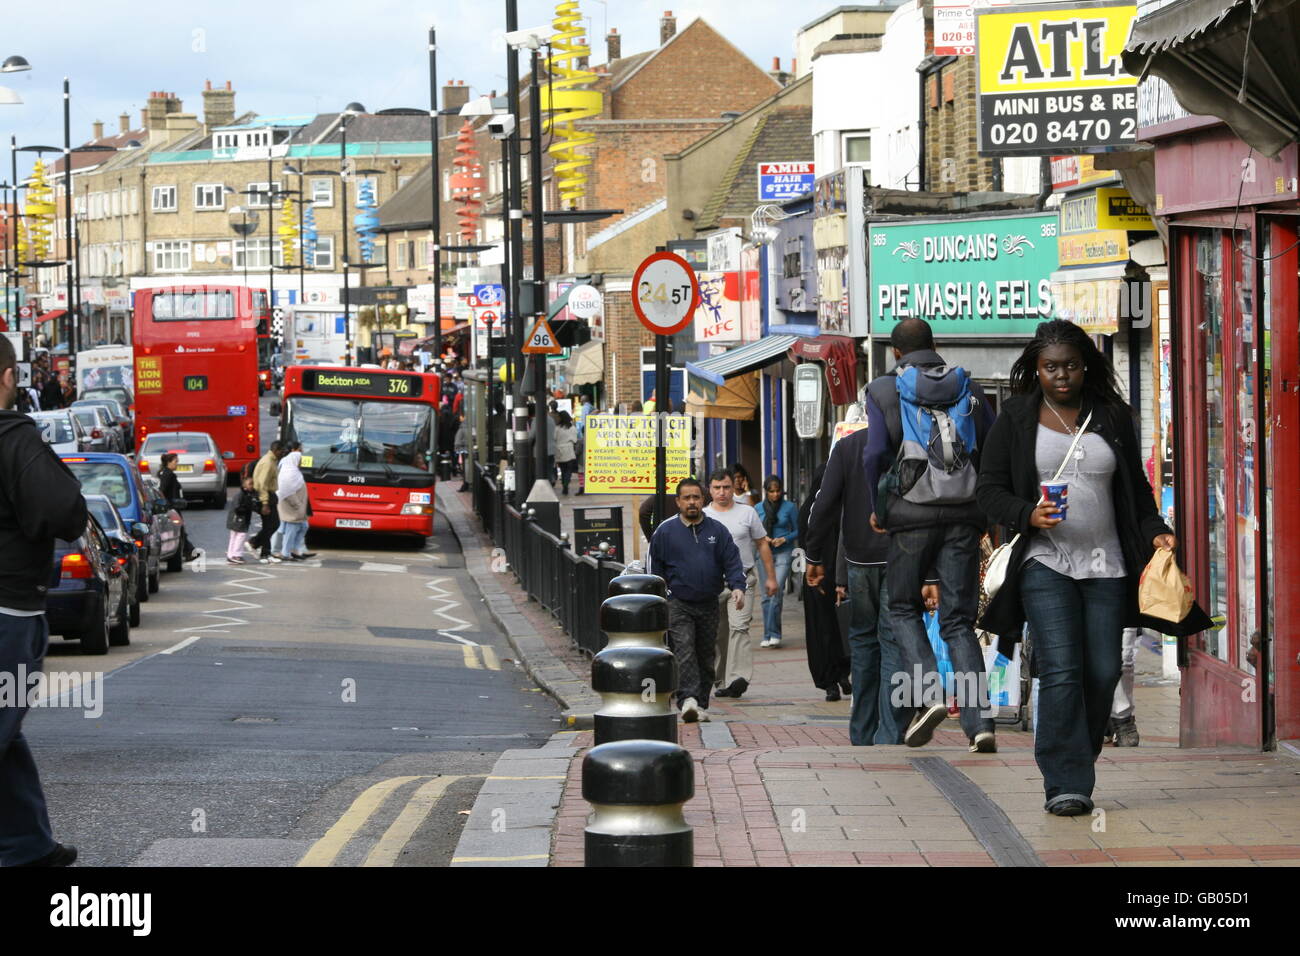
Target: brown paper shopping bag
x=1164 y=591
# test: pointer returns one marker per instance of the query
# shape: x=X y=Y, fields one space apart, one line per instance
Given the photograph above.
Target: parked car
x=114 y=392
x=102 y=509
x=117 y=412
x=61 y=431
x=199 y=466
x=114 y=476
x=172 y=523
x=88 y=599
x=102 y=433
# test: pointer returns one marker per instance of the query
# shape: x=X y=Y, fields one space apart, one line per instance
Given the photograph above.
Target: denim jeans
x=295 y=534
x=1078 y=629
x=875 y=658
x=24 y=822
x=952 y=551
x=772 y=605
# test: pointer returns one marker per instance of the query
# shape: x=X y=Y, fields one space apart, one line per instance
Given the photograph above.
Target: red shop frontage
x=1234 y=255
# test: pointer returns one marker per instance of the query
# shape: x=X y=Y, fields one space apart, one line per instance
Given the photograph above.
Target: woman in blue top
x=780 y=518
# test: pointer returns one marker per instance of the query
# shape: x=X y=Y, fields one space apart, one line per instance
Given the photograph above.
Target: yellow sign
x=621 y=452
x=1091 y=304
x=1093 y=248
x=148 y=375
x=1116 y=209
x=1050 y=79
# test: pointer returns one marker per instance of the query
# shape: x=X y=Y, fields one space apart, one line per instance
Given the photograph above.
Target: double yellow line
x=389 y=847
x=490 y=660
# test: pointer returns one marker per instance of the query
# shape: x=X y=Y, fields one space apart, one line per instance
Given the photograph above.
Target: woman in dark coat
x=828 y=658
x=1075 y=581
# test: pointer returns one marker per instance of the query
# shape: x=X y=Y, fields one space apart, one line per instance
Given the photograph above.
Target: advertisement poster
x=621 y=452
x=717 y=319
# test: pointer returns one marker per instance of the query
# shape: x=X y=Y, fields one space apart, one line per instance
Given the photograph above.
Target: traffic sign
x=541 y=340
x=665 y=293
x=26 y=312
x=489 y=293
x=487 y=317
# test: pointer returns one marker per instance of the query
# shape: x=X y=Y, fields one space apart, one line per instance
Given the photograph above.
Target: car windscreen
x=181 y=444
x=55 y=429
x=120 y=395
x=103 y=478
x=104 y=513
x=87 y=417
x=384 y=438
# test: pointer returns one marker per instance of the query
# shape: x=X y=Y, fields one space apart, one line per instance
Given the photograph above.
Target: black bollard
x=636 y=685
x=636 y=789
x=638 y=584
x=640 y=619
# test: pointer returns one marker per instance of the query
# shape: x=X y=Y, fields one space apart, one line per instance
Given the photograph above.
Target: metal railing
x=571 y=586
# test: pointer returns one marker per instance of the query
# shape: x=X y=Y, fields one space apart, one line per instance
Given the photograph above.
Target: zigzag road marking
x=227 y=620
x=448 y=602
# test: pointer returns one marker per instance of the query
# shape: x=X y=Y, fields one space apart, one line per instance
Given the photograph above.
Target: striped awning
x=718 y=368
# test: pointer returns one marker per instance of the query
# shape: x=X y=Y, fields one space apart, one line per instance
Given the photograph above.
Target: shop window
x=1209 y=269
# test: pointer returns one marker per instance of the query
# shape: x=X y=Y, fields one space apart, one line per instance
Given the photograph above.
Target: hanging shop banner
x=1091 y=304
x=717 y=319
x=1093 y=248
x=964 y=276
x=778 y=182
x=621 y=452
x=1106 y=208
x=1073 y=172
x=1050 y=79
x=838 y=229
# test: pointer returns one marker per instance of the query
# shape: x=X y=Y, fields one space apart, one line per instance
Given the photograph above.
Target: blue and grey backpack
x=935 y=463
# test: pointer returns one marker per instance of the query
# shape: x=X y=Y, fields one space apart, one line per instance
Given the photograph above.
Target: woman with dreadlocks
x=1074 y=579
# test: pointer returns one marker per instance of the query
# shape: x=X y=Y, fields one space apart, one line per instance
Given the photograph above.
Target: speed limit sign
x=665 y=293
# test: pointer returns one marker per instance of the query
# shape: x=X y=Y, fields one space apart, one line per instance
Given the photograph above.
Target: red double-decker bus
x=196 y=365
x=369 y=445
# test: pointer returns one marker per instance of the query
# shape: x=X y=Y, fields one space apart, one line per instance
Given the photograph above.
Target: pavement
x=778 y=784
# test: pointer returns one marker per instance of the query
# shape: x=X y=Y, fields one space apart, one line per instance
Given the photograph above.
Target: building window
x=164 y=199
x=374 y=187
x=171 y=256
x=446 y=185
x=255 y=253
x=325 y=252
x=116 y=195
x=209 y=196
x=856 y=149
x=256 y=197
x=322 y=192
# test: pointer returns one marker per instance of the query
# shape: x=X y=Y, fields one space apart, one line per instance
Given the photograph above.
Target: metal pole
x=535 y=198
x=343 y=175
x=270 y=231
x=662 y=391
x=74 y=329
x=436 y=195
x=14 y=265
x=9 y=225
x=515 y=222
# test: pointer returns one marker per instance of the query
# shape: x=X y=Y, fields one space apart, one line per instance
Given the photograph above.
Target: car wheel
x=119 y=634
x=95 y=639
x=176 y=561
x=154 y=582
x=142 y=587
x=133 y=613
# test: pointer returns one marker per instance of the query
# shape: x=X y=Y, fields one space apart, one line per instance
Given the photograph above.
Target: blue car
x=88 y=599
x=113 y=475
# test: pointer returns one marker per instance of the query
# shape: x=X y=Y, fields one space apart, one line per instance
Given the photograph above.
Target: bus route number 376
x=399 y=386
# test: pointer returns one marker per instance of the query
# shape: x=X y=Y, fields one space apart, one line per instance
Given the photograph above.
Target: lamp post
x=352 y=109
x=435 y=195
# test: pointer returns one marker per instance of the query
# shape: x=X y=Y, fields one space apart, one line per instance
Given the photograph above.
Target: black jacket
x=841 y=509
x=170 y=485
x=1008 y=491
x=40 y=500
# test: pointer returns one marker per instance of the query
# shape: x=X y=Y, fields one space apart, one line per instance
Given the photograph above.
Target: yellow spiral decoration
x=40 y=211
x=565 y=100
x=288 y=230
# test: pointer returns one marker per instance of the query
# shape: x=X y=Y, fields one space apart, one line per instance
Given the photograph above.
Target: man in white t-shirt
x=735 y=667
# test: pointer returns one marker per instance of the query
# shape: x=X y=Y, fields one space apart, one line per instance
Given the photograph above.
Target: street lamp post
x=352 y=109
x=435 y=195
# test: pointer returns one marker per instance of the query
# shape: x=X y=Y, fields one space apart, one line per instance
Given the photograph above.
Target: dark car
x=88 y=599
x=132 y=559
x=101 y=473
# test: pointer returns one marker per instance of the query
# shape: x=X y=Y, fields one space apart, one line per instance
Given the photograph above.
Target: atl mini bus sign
x=1050 y=79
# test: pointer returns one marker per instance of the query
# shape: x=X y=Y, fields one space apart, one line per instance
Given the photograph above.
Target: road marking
x=391 y=844
x=182 y=645
x=226 y=620
x=499 y=859
x=490 y=658
x=471 y=659
x=324 y=851
x=455 y=637
x=371 y=566
x=555 y=777
x=448 y=602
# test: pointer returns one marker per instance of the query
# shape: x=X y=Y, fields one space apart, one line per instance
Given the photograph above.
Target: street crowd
x=897 y=524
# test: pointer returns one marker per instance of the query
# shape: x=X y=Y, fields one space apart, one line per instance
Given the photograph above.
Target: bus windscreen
x=340 y=434
x=179 y=305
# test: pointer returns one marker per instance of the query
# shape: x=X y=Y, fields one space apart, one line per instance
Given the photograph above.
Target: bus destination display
x=196 y=383
x=373 y=384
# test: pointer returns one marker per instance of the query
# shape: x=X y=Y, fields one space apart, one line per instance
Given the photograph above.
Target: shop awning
x=736 y=399
x=837 y=354
x=1091 y=297
x=51 y=316
x=587 y=364
x=1238 y=60
x=717 y=369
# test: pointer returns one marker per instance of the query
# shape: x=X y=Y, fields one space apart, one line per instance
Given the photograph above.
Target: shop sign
x=838 y=230
x=1093 y=248
x=717 y=318
x=751 y=293
x=724 y=250
x=778 y=182
x=1157 y=104
x=620 y=456
x=1071 y=172
x=1103 y=209
x=964 y=276
x=1091 y=304
x=1049 y=79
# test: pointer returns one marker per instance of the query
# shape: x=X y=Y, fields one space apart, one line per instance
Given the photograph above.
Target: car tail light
x=121 y=562
x=144 y=465
x=139 y=544
x=96 y=433
x=75 y=566
x=209 y=465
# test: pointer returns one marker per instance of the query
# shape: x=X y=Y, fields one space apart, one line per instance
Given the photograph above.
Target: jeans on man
x=1078 y=628
x=25 y=833
x=692 y=635
x=773 y=604
x=295 y=537
x=735 y=645
x=270 y=522
x=952 y=551
x=875 y=658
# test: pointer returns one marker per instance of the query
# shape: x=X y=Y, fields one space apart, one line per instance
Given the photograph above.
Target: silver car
x=61 y=431
x=199 y=466
x=102 y=433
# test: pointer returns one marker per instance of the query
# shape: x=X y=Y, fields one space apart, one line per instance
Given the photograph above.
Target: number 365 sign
x=665 y=293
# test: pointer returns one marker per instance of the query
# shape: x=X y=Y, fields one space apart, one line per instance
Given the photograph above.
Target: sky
x=308 y=57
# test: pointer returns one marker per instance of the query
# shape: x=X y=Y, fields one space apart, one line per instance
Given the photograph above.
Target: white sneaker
x=774 y=642
x=765 y=642
x=704 y=715
x=274 y=559
x=690 y=710
x=251 y=550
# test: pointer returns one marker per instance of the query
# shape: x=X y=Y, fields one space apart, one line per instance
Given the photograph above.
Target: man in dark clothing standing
x=40 y=500
x=52 y=393
x=695 y=555
x=945 y=537
x=170 y=486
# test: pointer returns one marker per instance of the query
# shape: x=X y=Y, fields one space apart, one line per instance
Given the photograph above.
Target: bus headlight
x=417 y=509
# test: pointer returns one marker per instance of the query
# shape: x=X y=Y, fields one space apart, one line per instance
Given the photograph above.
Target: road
x=342 y=711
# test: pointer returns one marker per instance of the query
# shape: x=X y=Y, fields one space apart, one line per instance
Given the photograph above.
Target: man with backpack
x=926 y=425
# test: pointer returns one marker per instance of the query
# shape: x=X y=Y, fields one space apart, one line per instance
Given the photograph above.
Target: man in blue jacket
x=696 y=556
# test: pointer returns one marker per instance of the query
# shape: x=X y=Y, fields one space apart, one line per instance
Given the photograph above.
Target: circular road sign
x=665 y=293
x=585 y=302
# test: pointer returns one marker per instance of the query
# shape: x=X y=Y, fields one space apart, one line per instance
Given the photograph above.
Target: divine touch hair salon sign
x=987 y=276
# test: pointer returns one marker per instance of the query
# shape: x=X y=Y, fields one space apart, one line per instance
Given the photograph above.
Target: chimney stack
x=667 y=27
x=454 y=95
x=613 y=45
x=777 y=73
x=98 y=128
x=124 y=123
x=218 y=106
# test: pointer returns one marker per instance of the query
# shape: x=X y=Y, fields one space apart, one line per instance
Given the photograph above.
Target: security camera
x=501 y=126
